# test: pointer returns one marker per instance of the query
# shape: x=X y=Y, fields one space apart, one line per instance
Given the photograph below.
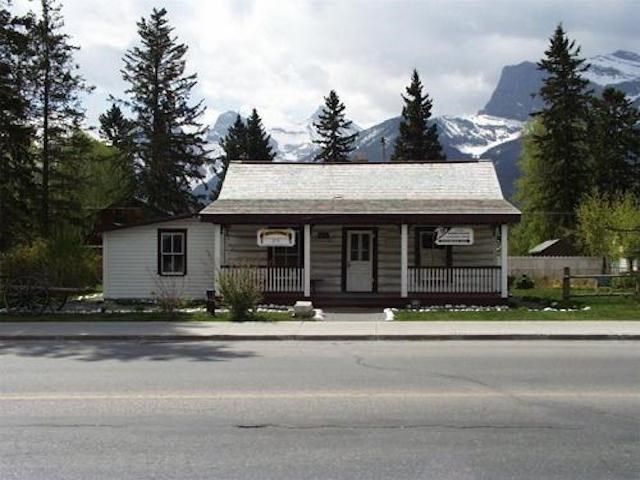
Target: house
x=336 y=233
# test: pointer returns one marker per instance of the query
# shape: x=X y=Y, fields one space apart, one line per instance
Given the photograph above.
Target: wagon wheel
x=57 y=300
x=26 y=295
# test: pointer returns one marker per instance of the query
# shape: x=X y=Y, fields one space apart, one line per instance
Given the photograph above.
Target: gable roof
x=437 y=188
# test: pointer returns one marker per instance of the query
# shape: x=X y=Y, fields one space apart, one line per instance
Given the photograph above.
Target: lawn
x=524 y=301
x=139 y=317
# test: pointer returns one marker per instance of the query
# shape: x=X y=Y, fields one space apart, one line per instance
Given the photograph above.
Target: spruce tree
x=170 y=144
x=614 y=143
x=257 y=145
x=16 y=160
x=563 y=145
x=418 y=139
x=335 y=143
x=234 y=143
x=118 y=132
x=57 y=111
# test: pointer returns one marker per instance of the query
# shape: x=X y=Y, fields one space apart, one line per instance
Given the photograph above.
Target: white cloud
x=283 y=56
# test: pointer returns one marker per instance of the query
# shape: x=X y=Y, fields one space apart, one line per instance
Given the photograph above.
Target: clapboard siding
x=130 y=259
x=241 y=246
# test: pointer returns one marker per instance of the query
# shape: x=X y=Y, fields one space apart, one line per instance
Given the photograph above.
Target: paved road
x=307 y=410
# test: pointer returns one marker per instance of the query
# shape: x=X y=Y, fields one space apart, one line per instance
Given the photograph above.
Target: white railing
x=454 y=280
x=272 y=279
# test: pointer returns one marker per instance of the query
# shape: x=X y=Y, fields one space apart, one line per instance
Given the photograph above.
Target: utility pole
x=383 y=144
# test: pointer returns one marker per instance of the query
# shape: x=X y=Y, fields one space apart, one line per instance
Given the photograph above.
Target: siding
x=482 y=253
x=130 y=259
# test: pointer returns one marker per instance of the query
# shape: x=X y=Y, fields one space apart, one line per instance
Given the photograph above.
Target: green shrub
x=63 y=260
x=240 y=292
x=524 y=283
x=624 y=283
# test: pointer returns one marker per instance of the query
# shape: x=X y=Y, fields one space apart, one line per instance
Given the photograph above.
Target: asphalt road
x=307 y=410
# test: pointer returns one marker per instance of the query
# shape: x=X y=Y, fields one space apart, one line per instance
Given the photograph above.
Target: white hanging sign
x=276 y=237
x=454 y=236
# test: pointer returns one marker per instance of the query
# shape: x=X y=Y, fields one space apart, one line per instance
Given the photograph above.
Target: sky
x=282 y=57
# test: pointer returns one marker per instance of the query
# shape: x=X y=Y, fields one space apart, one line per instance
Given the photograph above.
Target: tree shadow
x=125 y=351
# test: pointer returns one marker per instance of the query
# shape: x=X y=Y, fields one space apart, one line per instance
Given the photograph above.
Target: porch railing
x=453 y=279
x=272 y=279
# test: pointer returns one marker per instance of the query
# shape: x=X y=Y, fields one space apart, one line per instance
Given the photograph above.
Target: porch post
x=504 y=261
x=404 y=260
x=217 y=252
x=307 y=260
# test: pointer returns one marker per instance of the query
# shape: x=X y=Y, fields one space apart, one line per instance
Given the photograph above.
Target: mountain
x=516 y=95
x=493 y=133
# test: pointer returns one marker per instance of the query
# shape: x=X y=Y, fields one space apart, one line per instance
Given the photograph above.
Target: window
x=287 y=256
x=428 y=253
x=172 y=252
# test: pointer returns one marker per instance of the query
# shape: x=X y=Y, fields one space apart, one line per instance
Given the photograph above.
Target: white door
x=360 y=261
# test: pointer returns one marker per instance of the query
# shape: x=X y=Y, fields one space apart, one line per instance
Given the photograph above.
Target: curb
x=339 y=337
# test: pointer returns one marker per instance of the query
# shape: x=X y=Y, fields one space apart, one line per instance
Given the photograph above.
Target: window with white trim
x=172 y=252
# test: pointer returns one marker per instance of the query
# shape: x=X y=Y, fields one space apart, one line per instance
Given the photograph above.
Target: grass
x=601 y=308
x=140 y=317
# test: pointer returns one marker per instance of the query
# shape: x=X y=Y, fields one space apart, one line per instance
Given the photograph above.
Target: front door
x=360 y=261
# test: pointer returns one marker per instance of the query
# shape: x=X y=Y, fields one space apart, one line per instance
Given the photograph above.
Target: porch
x=380 y=265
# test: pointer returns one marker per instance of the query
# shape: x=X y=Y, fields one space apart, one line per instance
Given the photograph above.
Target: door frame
x=374 y=257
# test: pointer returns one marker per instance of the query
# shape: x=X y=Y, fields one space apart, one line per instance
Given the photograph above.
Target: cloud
x=283 y=56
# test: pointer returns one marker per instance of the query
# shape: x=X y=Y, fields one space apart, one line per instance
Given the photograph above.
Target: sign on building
x=454 y=236
x=276 y=237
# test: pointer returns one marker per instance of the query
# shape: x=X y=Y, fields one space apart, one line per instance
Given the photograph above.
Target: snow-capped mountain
x=614 y=68
x=516 y=95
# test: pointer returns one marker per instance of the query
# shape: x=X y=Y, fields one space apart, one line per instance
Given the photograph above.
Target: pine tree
x=418 y=140
x=57 y=111
x=118 y=132
x=335 y=143
x=170 y=145
x=234 y=143
x=614 y=143
x=115 y=128
x=16 y=160
x=563 y=145
x=258 y=147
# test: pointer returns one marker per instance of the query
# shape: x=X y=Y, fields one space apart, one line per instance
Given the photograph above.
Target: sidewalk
x=306 y=330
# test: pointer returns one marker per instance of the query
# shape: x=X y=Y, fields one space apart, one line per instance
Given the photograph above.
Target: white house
x=341 y=233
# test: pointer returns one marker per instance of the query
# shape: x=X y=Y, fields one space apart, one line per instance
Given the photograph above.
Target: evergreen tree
x=335 y=143
x=614 y=143
x=417 y=140
x=234 y=143
x=16 y=159
x=57 y=111
x=118 y=132
x=563 y=145
x=115 y=128
x=258 y=147
x=170 y=144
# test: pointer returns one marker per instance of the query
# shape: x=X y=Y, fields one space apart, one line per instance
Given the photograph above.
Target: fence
x=633 y=278
x=552 y=268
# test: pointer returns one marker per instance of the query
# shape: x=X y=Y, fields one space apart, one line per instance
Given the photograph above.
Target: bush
x=63 y=260
x=524 y=283
x=240 y=292
x=168 y=293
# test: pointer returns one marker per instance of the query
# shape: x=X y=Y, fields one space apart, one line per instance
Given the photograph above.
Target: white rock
x=303 y=308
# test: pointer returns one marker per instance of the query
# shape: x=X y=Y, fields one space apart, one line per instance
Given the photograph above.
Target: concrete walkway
x=338 y=330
